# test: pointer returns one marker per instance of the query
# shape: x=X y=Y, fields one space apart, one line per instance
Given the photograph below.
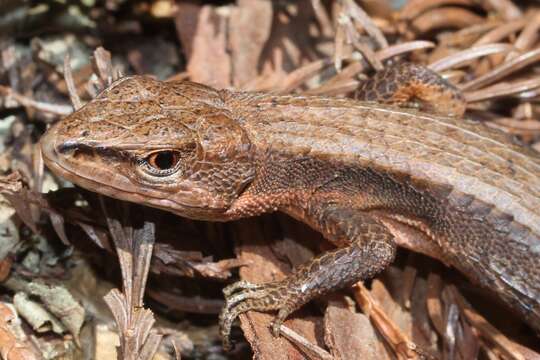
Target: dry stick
x=374 y=59
x=353 y=37
x=503 y=70
x=138 y=341
x=102 y=60
x=513 y=126
x=503 y=90
x=103 y=68
x=334 y=89
x=348 y=31
x=465 y=56
x=501 y=32
x=408 y=281
x=339 y=47
x=357 y=13
x=68 y=77
x=38 y=167
x=368 y=54
x=55 y=109
x=402 y=48
x=305 y=343
x=528 y=37
x=433 y=302
x=463 y=37
x=445 y=17
x=415 y=7
x=505 y=8
x=322 y=18
x=486 y=330
x=299 y=75
x=400 y=343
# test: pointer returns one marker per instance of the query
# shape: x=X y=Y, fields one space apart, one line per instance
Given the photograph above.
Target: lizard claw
x=243 y=296
x=278 y=321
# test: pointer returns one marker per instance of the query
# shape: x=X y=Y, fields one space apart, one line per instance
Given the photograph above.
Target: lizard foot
x=244 y=296
x=370 y=251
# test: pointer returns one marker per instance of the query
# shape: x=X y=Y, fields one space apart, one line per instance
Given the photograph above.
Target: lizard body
x=367 y=176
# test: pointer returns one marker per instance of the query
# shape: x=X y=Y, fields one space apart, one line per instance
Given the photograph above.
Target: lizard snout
x=48 y=144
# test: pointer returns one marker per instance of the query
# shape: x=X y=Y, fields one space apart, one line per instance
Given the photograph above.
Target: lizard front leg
x=370 y=249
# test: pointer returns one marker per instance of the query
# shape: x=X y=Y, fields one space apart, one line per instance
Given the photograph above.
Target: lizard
x=369 y=176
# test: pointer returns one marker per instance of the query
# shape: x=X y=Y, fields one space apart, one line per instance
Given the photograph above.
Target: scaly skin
x=366 y=176
x=404 y=83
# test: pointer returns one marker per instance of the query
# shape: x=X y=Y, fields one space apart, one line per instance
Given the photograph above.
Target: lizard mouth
x=78 y=162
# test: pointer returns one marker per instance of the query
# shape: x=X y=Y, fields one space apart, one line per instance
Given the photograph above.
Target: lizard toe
x=265 y=297
x=279 y=319
x=239 y=286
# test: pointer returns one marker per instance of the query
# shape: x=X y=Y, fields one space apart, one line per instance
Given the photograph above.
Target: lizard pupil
x=163 y=160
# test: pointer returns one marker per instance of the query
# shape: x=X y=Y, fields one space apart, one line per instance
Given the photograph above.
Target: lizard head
x=168 y=145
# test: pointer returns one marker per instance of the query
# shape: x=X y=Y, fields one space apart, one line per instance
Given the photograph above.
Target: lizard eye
x=161 y=163
x=163 y=160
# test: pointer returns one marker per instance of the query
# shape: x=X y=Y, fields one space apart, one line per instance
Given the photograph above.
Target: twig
x=305 y=343
x=103 y=63
x=351 y=9
x=322 y=18
x=55 y=109
x=503 y=70
x=68 y=76
x=503 y=90
x=400 y=343
x=488 y=331
x=134 y=248
x=465 y=56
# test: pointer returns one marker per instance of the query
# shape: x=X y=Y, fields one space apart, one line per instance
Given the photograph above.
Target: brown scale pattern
x=405 y=83
x=352 y=170
x=346 y=196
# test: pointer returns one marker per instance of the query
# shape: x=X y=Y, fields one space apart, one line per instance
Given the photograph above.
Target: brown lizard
x=367 y=176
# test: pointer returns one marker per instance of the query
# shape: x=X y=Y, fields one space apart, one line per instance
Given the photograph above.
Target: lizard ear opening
x=226 y=165
x=222 y=139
